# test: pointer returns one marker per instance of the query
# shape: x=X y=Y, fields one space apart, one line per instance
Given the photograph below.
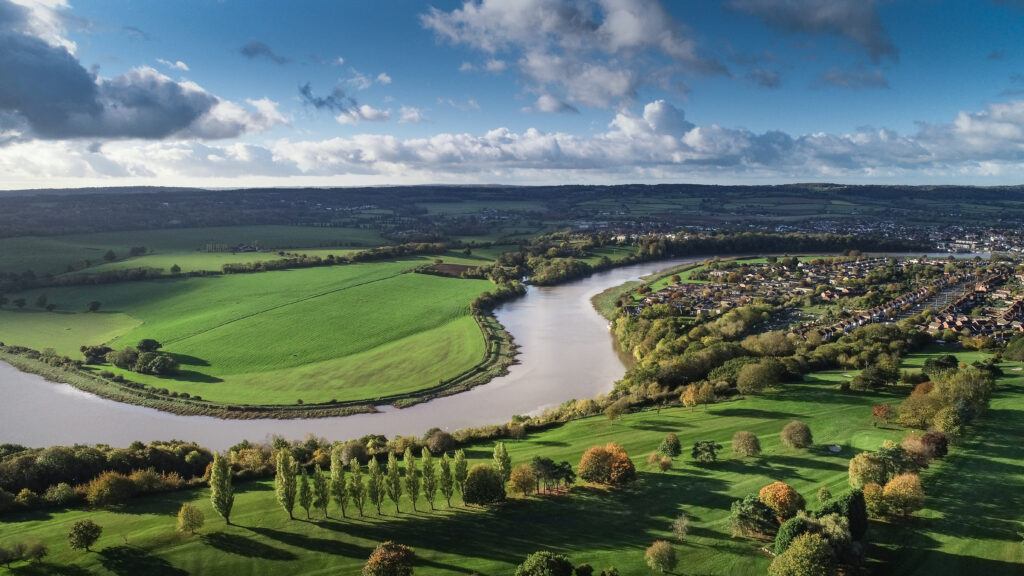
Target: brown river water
x=566 y=352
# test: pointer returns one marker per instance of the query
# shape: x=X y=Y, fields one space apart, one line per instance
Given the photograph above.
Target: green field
x=53 y=254
x=981 y=481
x=317 y=334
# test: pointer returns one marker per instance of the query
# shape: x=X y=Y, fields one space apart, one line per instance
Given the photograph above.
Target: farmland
x=605 y=528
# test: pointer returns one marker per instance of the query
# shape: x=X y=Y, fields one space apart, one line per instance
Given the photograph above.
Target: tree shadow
x=242 y=546
x=47 y=569
x=130 y=561
x=194 y=376
x=313 y=544
x=754 y=413
x=187 y=360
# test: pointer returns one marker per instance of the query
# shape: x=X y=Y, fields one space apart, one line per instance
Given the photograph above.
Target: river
x=565 y=352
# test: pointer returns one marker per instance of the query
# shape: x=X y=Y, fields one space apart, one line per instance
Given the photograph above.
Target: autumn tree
x=782 y=498
x=689 y=396
x=609 y=464
x=754 y=378
x=483 y=485
x=882 y=413
x=222 y=494
x=661 y=556
x=866 y=468
x=904 y=494
x=523 y=479
x=874 y=500
x=390 y=559
x=809 y=554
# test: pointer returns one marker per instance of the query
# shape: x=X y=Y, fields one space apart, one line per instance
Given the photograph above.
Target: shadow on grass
x=242 y=546
x=186 y=360
x=129 y=560
x=194 y=376
x=754 y=413
x=47 y=569
x=312 y=543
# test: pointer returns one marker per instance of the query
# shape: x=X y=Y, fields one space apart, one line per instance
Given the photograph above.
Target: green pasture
x=973 y=506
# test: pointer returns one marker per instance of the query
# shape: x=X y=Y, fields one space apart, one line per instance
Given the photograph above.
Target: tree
x=754 y=378
x=882 y=413
x=429 y=473
x=608 y=464
x=356 y=488
x=949 y=421
x=824 y=494
x=502 y=461
x=390 y=559
x=689 y=396
x=446 y=483
x=393 y=481
x=440 y=442
x=746 y=444
x=321 y=491
x=797 y=434
x=545 y=563
x=35 y=551
x=681 y=526
x=190 y=518
x=84 y=534
x=7 y=556
x=789 y=530
x=670 y=446
x=866 y=468
x=461 y=471
x=852 y=507
x=19 y=302
x=483 y=486
x=808 y=555
x=93 y=306
x=706 y=394
x=523 y=479
x=175 y=269
x=149 y=345
x=222 y=494
x=41 y=301
x=874 y=500
x=904 y=494
x=110 y=256
x=338 y=484
x=782 y=498
x=412 y=477
x=705 y=451
x=305 y=493
x=661 y=556
x=616 y=409
x=109 y=489
x=751 y=517
x=375 y=485
x=284 y=481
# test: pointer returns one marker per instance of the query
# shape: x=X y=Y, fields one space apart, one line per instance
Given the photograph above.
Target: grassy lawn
x=981 y=481
x=343 y=332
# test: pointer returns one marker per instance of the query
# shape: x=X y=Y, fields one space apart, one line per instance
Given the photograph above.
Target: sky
x=239 y=93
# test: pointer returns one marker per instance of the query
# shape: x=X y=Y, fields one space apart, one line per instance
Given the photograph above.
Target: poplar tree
x=461 y=471
x=393 y=482
x=321 y=491
x=412 y=478
x=375 y=487
x=222 y=495
x=502 y=462
x=429 y=472
x=305 y=494
x=284 y=481
x=356 y=488
x=447 y=482
x=339 y=484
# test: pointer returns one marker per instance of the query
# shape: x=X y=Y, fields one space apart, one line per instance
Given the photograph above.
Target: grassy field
x=596 y=526
x=54 y=254
x=316 y=334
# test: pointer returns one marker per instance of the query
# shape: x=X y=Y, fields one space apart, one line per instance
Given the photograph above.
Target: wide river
x=565 y=352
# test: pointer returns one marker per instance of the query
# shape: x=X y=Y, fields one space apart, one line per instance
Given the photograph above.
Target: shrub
x=852 y=507
x=545 y=563
x=746 y=444
x=60 y=494
x=681 y=526
x=109 y=489
x=440 y=442
x=789 y=531
x=483 y=486
x=751 y=517
x=660 y=556
x=782 y=498
x=390 y=559
x=670 y=446
x=808 y=555
x=866 y=468
x=705 y=451
x=27 y=498
x=824 y=494
x=796 y=434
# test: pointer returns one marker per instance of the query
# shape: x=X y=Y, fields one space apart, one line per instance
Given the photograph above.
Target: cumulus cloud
x=45 y=92
x=410 y=115
x=550 y=104
x=588 y=53
x=383 y=78
x=855 y=20
x=364 y=113
x=256 y=49
x=178 y=65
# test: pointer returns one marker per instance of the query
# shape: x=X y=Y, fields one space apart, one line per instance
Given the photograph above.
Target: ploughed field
x=347 y=332
x=968 y=525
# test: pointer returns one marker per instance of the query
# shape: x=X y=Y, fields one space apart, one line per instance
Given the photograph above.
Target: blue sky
x=249 y=93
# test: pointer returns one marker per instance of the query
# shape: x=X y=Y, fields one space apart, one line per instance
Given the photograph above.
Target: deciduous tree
x=782 y=498
x=222 y=494
x=390 y=559
x=746 y=444
x=797 y=434
x=339 y=483
x=321 y=490
x=446 y=480
x=83 y=534
x=190 y=518
x=393 y=481
x=429 y=474
x=483 y=486
x=661 y=556
x=523 y=479
x=285 y=482
x=412 y=477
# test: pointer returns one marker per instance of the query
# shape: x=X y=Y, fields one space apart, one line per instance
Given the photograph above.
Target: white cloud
x=383 y=78
x=550 y=104
x=340 y=61
x=364 y=113
x=410 y=115
x=178 y=65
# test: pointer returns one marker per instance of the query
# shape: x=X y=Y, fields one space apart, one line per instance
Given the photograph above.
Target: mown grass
x=318 y=334
x=53 y=254
x=974 y=505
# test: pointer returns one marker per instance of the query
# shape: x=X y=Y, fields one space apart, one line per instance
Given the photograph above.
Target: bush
x=483 y=486
x=390 y=559
x=808 y=555
x=796 y=434
x=789 y=531
x=609 y=465
x=60 y=494
x=661 y=556
x=545 y=563
x=27 y=498
x=681 y=526
x=440 y=442
x=783 y=499
x=751 y=517
x=866 y=468
x=670 y=446
x=852 y=507
x=746 y=444
x=109 y=489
